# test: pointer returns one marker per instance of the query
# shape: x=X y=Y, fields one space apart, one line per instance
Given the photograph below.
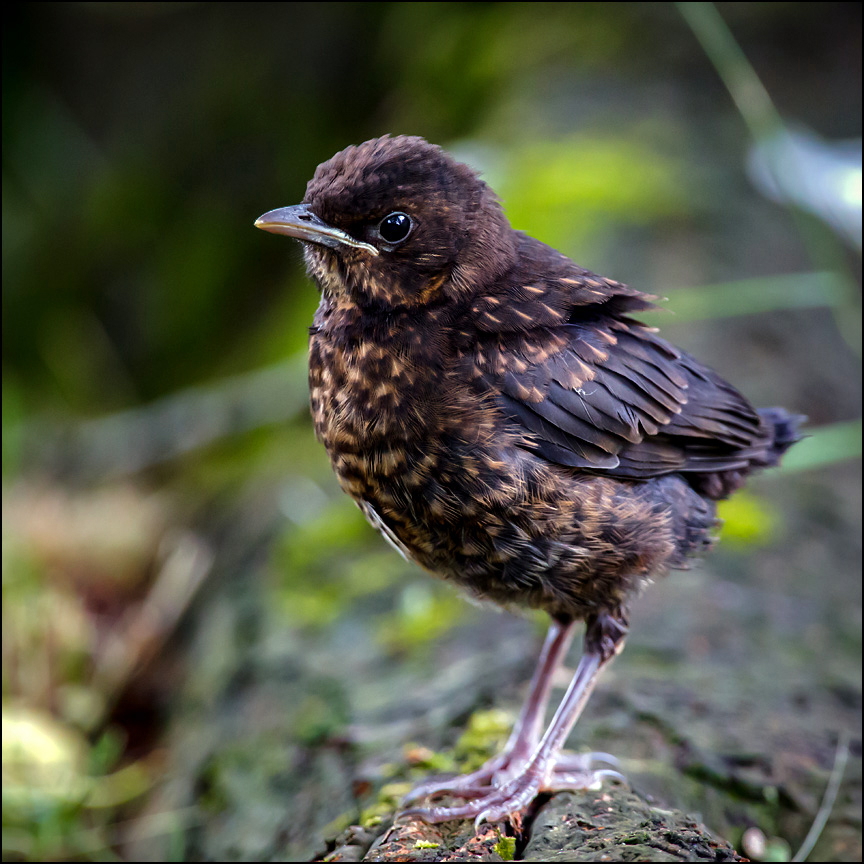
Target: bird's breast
x=378 y=395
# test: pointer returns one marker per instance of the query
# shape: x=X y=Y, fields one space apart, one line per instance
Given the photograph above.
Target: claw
x=583 y=761
x=608 y=758
x=573 y=781
x=612 y=775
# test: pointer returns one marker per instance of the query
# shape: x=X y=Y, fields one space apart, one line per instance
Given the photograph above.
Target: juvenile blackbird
x=503 y=421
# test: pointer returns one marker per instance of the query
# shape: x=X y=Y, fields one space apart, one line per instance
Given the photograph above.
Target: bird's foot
x=572 y=772
x=471 y=785
x=499 y=789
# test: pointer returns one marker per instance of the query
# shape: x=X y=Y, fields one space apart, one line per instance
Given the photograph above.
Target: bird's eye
x=395 y=228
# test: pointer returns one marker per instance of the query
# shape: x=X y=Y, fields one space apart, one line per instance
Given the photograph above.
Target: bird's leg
x=525 y=736
x=604 y=638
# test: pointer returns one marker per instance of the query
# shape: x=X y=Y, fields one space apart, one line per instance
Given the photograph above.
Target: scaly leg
x=525 y=778
x=526 y=731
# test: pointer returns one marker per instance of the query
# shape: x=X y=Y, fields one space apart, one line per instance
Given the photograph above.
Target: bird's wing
x=591 y=388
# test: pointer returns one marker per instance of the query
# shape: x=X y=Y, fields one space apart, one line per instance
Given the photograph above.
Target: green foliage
x=328 y=563
x=389 y=798
x=506 y=848
x=569 y=190
x=425 y=612
x=838 y=442
x=747 y=519
x=321 y=714
x=484 y=736
x=751 y=297
x=53 y=806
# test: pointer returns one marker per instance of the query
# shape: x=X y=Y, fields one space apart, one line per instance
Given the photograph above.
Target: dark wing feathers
x=555 y=443
x=593 y=389
x=604 y=410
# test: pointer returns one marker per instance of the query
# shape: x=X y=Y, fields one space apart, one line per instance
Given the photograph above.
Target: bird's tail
x=785 y=432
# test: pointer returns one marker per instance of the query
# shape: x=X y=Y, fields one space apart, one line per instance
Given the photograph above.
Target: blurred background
x=207 y=653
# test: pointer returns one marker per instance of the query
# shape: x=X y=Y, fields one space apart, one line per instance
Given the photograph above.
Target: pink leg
x=604 y=638
x=526 y=731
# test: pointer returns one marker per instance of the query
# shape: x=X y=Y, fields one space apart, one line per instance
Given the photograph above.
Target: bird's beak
x=300 y=222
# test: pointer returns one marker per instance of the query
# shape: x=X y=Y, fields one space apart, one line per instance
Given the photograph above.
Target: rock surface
x=609 y=825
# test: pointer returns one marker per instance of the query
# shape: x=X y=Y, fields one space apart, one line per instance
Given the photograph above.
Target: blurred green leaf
x=425 y=612
x=568 y=189
x=747 y=519
x=752 y=296
x=824 y=445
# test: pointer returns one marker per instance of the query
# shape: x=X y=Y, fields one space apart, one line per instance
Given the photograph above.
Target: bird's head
x=396 y=223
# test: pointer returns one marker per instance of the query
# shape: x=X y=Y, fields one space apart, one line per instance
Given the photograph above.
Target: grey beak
x=300 y=222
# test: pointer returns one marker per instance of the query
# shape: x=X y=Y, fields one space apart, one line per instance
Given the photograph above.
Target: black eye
x=395 y=228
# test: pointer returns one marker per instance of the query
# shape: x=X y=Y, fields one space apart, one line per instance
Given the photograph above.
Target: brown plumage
x=499 y=415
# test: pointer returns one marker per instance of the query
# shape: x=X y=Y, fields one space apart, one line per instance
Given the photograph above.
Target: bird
x=503 y=418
